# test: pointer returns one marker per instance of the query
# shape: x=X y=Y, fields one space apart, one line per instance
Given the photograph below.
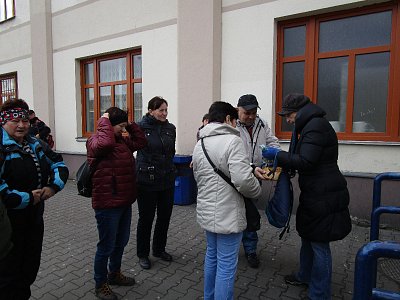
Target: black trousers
x=148 y=203
x=19 y=268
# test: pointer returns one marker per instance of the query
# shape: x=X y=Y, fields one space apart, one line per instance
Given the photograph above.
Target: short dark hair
x=205 y=117
x=156 y=102
x=219 y=110
x=14 y=103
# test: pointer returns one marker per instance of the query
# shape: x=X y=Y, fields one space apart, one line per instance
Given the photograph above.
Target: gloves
x=270 y=152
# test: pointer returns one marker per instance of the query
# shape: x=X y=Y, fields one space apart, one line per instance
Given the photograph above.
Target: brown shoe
x=118 y=278
x=105 y=293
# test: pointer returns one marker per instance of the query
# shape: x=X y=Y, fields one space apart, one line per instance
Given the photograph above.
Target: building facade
x=71 y=60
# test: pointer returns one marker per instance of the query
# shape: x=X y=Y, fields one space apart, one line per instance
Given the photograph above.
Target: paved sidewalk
x=66 y=270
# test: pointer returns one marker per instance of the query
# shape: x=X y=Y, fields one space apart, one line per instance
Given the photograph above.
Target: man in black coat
x=322 y=215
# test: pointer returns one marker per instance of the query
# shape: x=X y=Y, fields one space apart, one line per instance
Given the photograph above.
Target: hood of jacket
x=306 y=113
x=215 y=128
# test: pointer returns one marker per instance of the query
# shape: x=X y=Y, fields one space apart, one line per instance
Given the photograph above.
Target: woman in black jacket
x=156 y=181
x=322 y=215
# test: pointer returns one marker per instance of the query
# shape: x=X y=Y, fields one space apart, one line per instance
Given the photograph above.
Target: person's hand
x=259 y=173
x=270 y=152
x=106 y=115
x=46 y=193
x=36 y=196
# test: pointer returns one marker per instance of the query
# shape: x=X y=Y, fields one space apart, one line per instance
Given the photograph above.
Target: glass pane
x=332 y=90
x=356 y=32
x=89 y=95
x=294 y=41
x=120 y=96
x=10 y=8
x=2 y=11
x=137 y=102
x=113 y=70
x=89 y=76
x=293 y=82
x=105 y=99
x=137 y=66
x=371 y=92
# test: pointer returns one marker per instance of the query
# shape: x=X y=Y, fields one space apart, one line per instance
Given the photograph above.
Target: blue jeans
x=250 y=240
x=220 y=265
x=114 y=226
x=316 y=269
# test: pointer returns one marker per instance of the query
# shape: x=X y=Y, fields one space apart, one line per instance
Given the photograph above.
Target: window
x=114 y=80
x=348 y=63
x=8 y=86
x=7 y=10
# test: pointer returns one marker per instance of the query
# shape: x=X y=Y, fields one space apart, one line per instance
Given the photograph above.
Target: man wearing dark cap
x=254 y=132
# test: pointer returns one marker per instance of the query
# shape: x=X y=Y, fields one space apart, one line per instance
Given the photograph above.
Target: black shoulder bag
x=252 y=215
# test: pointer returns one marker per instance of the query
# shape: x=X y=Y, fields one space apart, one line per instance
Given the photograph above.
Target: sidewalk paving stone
x=69 y=246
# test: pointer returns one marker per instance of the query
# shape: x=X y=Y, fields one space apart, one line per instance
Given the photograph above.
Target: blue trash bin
x=185 y=185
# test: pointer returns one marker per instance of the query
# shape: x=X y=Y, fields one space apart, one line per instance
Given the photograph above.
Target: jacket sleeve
x=309 y=154
x=103 y=141
x=270 y=139
x=241 y=172
x=59 y=172
x=136 y=139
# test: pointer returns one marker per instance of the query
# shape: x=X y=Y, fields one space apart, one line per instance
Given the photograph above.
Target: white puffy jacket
x=220 y=208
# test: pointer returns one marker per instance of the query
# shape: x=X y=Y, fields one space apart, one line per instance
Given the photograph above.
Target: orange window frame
x=312 y=56
x=96 y=85
x=8 y=92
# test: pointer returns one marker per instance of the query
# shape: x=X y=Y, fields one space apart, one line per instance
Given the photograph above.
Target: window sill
x=369 y=143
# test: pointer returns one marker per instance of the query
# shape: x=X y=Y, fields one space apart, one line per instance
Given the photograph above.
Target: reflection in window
x=120 y=96
x=113 y=70
x=89 y=109
x=137 y=88
x=105 y=99
x=89 y=73
x=293 y=82
x=7 y=10
x=356 y=32
x=8 y=86
x=137 y=66
x=371 y=92
x=295 y=39
x=332 y=90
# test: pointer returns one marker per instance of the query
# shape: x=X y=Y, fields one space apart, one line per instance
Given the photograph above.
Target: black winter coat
x=154 y=163
x=322 y=214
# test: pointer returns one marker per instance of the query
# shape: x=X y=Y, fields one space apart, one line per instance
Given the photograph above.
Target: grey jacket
x=262 y=135
x=220 y=209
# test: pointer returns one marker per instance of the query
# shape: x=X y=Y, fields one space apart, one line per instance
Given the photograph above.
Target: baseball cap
x=248 y=102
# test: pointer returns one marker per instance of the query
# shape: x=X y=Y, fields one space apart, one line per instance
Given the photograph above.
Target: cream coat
x=220 y=209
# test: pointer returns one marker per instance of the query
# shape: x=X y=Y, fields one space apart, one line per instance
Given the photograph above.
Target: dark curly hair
x=14 y=103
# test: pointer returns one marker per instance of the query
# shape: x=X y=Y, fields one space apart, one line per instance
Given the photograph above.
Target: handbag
x=279 y=207
x=84 y=178
x=252 y=215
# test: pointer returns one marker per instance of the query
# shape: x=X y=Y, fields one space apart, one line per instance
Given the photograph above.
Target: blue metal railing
x=366 y=259
x=364 y=270
x=377 y=209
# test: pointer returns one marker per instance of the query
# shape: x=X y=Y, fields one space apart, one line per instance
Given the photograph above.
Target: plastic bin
x=185 y=185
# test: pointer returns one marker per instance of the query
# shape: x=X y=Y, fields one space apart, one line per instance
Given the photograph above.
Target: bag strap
x=218 y=171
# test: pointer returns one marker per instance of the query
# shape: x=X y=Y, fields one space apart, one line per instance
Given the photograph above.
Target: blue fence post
x=363 y=274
